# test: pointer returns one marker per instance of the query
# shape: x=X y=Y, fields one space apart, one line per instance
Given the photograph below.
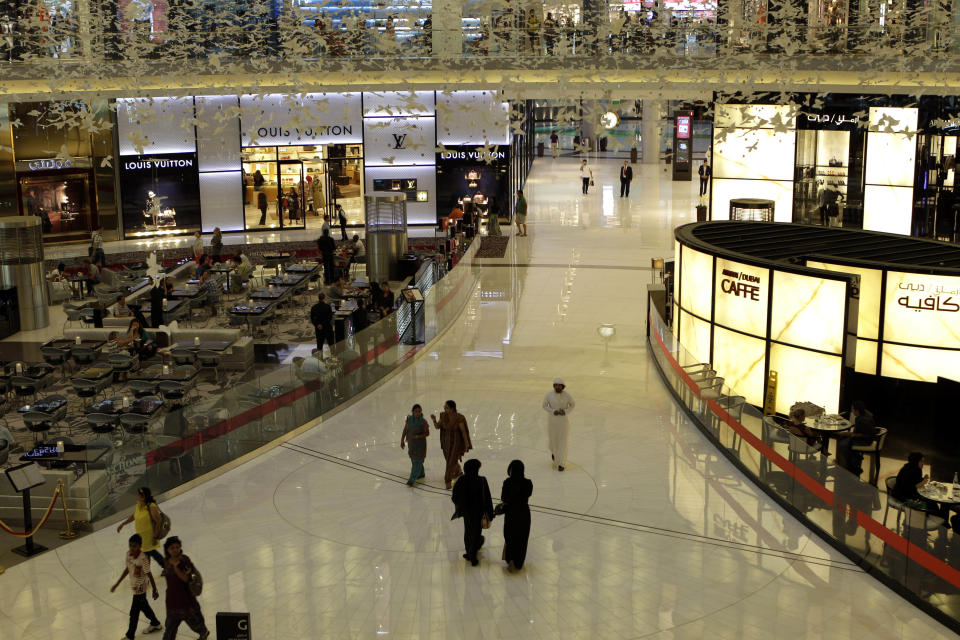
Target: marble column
x=650 y=130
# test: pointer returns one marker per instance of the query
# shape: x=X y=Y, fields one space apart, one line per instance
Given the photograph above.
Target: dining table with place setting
x=268 y=293
x=147 y=406
x=51 y=405
x=69 y=343
x=161 y=372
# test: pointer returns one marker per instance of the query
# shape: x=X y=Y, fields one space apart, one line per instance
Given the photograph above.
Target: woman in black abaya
x=515 y=493
x=471 y=495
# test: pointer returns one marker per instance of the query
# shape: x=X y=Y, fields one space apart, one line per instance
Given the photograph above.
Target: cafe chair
x=183 y=356
x=39 y=424
x=122 y=364
x=102 y=423
x=85 y=389
x=135 y=425
x=24 y=387
x=773 y=433
x=733 y=405
x=170 y=450
x=696 y=367
x=210 y=360
x=73 y=313
x=142 y=388
x=172 y=391
x=918 y=519
x=873 y=449
x=892 y=503
x=83 y=356
x=56 y=357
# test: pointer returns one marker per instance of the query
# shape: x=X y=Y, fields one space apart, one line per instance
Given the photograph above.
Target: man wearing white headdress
x=558 y=404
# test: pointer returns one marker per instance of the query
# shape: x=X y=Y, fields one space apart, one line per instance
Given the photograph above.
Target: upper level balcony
x=251 y=52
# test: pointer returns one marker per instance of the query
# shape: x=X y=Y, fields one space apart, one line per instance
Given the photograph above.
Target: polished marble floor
x=649 y=533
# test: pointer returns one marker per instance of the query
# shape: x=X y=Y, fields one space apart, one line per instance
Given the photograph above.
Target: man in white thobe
x=558 y=404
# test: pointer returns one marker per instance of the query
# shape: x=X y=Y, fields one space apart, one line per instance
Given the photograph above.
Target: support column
x=447 y=36
x=650 y=130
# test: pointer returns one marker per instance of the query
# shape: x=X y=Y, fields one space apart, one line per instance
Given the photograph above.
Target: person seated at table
x=309 y=368
x=335 y=290
x=796 y=425
x=910 y=479
x=91 y=273
x=205 y=265
x=359 y=316
x=359 y=250
x=121 y=310
x=864 y=430
x=242 y=270
x=138 y=341
x=386 y=300
x=111 y=345
x=211 y=286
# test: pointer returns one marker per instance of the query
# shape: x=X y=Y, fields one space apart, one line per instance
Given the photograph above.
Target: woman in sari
x=454 y=440
x=415 y=431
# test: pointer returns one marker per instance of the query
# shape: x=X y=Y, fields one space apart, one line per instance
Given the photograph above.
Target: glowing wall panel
x=759 y=154
x=740 y=294
x=866 y=359
x=890 y=159
x=919 y=363
x=695 y=336
x=739 y=359
x=808 y=311
x=868 y=315
x=922 y=309
x=805 y=376
x=696 y=274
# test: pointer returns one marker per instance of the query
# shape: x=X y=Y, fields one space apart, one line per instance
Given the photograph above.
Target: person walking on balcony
x=520 y=214
x=533 y=32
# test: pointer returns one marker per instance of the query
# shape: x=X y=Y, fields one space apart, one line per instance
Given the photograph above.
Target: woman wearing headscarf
x=514 y=495
x=182 y=605
x=415 y=431
x=454 y=439
x=471 y=495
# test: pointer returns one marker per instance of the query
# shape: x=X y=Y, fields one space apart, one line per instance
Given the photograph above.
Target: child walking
x=138 y=566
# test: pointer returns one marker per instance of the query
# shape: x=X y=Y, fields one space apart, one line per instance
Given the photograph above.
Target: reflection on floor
x=648 y=533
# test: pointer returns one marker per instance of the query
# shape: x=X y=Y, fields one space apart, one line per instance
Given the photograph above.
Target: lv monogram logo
x=399 y=141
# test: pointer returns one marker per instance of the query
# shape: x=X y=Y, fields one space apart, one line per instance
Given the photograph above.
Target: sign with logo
x=160 y=194
x=233 y=626
x=480 y=154
x=293 y=120
x=399 y=141
x=683 y=127
x=740 y=297
x=407 y=186
x=922 y=309
x=53 y=164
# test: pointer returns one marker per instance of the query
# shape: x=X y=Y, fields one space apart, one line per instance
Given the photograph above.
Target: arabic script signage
x=922 y=309
x=837 y=120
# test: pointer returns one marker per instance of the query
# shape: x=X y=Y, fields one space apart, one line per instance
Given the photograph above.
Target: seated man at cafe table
x=213 y=290
x=335 y=290
x=385 y=300
x=798 y=427
x=910 y=479
x=356 y=245
x=243 y=269
x=121 y=310
x=206 y=264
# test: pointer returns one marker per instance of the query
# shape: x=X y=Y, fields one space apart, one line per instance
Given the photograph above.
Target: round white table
x=939 y=492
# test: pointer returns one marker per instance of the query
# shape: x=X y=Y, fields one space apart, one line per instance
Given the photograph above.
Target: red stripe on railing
x=224 y=427
x=892 y=539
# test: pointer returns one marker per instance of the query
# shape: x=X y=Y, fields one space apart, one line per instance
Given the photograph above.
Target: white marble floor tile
x=650 y=533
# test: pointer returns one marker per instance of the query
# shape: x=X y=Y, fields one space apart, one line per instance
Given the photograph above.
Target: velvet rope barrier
x=43 y=521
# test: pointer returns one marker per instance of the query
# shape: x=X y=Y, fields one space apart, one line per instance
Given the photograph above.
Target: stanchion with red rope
x=43 y=521
x=29 y=547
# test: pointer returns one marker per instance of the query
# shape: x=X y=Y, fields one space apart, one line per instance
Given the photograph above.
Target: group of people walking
x=181 y=576
x=471 y=493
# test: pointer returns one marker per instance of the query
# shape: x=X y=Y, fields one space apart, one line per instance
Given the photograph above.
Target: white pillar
x=447 y=30
x=650 y=130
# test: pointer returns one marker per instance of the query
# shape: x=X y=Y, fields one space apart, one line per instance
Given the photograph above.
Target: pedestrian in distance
x=514 y=497
x=137 y=566
x=471 y=496
x=558 y=404
x=146 y=519
x=326 y=247
x=586 y=176
x=520 y=214
x=704 y=172
x=626 y=177
x=415 y=433
x=454 y=440
x=182 y=605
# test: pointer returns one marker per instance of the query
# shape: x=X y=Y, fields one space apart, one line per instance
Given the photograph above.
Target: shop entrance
x=294 y=187
x=62 y=201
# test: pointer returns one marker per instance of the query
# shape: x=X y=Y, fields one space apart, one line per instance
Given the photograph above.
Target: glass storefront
x=294 y=187
x=62 y=200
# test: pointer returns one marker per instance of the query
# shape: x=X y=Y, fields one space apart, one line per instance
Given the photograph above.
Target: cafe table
x=940 y=492
x=127 y=404
x=40 y=372
x=828 y=426
x=76 y=285
x=204 y=345
x=71 y=453
x=189 y=291
x=160 y=373
x=268 y=293
x=172 y=306
x=303 y=267
x=95 y=372
x=225 y=270
x=67 y=343
x=54 y=406
x=287 y=280
x=252 y=311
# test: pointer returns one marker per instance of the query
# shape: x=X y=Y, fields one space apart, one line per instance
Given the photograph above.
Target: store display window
x=293 y=187
x=62 y=201
x=161 y=195
x=827 y=185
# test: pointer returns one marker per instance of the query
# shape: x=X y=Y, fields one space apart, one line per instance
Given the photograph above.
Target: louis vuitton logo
x=399 y=141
